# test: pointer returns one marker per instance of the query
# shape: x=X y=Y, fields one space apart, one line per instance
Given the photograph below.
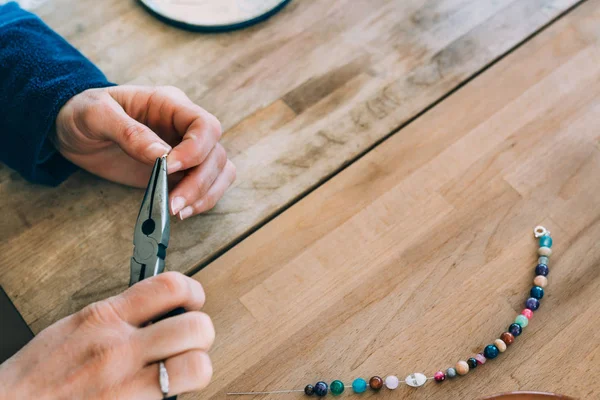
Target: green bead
x=359 y=385
x=522 y=321
x=546 y=241
x=336 y=387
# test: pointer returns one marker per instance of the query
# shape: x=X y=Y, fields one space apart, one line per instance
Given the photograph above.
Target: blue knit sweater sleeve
x=39 y=73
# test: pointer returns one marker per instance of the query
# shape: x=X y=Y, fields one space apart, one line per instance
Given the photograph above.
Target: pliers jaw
x=152 y=229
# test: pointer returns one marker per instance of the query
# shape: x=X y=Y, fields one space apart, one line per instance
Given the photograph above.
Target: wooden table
x=393 y=159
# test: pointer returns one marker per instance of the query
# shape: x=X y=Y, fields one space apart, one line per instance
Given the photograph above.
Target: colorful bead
x=320 y=389
x=500 y=344
x=472 y=363
x=542 y=269
x=439 y=376
x=545 y=241
x=527 y=313
x=537 y=292
x=376 y=383
x=309 y=390
x=336 y=387
x=515 y=330
x=480 y=359
x=392 y=382
x=545 y=251
x=490 y=351
x=451 y=373
x=521 y=320
x=540 y=281
x=532 y=303
x=462 y=368
x=543 y=260
x=359 y=385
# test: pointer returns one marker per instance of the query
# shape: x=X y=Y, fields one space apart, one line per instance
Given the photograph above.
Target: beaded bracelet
x=491 y=351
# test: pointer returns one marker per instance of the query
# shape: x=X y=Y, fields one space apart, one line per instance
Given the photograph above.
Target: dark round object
x=542 y=269
x=309 y=390
x=148 y=226
x=376 y=383
x=515 y=329
x=507 y=338
x=472 y=363
x=320 y=389
x=532 y=303
x=490 y=352
x=537 y=292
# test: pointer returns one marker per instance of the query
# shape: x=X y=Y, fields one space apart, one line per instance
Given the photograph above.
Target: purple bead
x=515 y=329
x=541 y=269
x=532 y=303
x=320 y=389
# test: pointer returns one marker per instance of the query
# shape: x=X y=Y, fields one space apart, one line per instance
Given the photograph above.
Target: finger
x=198 y=180
x=190 y=331
x=202 y=131
x=156 y=296
x=111 y=121
x=169 y=111
x=188 y=372
x=216 y=191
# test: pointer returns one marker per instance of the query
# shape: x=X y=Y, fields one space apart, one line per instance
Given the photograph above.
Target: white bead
x=391 y=382
x=415 y=380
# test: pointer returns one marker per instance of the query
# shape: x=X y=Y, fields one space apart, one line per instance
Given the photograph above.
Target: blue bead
x=532 y=303
x=490 y=351
x=515 y=329
x=359 y=385
x=541 y=269
x=545 y=241
x=321 y=389
x=451 y=373
x=537 y=292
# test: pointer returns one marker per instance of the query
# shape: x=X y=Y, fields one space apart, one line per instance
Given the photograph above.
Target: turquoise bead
x=490 y=351
x=522 y=321
x=359 y=385
x=336 y=387
x=537 y=292
x=546 y=241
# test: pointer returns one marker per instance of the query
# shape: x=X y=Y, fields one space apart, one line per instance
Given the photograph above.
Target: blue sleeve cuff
x=39 y=73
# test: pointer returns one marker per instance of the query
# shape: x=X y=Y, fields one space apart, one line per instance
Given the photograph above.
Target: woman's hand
x=106 y=351
x=118 y=132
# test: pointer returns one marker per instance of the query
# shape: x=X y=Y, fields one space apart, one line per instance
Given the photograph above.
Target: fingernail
x=173 y=167
x=186 y=212
x=156 y=150
x=177 y=204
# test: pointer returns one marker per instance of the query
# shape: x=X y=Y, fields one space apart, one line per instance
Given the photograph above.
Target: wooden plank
x=300 y=96
x=421 y=253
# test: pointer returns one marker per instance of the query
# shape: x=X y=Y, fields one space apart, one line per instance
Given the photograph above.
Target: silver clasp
x=540 y=231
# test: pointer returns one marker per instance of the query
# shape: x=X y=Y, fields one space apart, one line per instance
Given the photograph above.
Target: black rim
x=216 y=28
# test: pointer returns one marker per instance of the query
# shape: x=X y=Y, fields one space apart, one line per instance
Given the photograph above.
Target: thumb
x=133 y=137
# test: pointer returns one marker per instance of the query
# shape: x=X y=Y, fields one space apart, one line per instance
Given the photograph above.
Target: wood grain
x=300 y=96
x=422 y=252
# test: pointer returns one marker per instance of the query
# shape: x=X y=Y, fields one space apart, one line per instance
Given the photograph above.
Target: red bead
x=439 y=376
x=507 y=338
x=527 y=312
